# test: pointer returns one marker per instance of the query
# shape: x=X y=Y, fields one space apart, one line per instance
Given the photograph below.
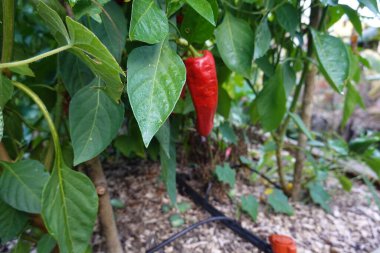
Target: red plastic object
x=282 y=244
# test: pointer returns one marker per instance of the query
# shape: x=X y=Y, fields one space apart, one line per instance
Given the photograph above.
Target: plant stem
x=35 y=58
x=106 y=215
x=49 y=158
x=8 y=30
x=45 y=112
x=7 y=49
x=307 y=105
x=194 y=52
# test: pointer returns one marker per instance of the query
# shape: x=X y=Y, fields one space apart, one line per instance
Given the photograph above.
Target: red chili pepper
x=282 y=244
x=203 y=86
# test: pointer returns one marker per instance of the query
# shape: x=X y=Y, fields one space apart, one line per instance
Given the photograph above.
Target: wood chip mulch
x=352 y=226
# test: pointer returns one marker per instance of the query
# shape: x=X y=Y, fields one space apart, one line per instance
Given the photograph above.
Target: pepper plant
x=78 y=76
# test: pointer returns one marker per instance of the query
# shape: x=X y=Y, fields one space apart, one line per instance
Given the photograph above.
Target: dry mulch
x=352 y=226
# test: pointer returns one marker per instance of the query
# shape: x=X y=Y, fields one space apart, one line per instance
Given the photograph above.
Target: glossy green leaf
x=94 y=122
x=46 y=244
x=156 y=75
x=235 y=41
x=97 y=57
x=203 y=7
x=351 y=100
x=279 y=202
x=54 y=22
x=338 y=145
x=148 y=23
x=262 y=39
x=194 y=27
x=288 y=17
x=301 y=125
x=163 y=137
x=250 y=205
x=331 y=50
x=176 y=220
x=224 y=102
x=12 y=221
x=6 y=88
x=226 y=175
x=370 y=4
x=69 y=208
x=113 y=30
x=319 y=195
x=353 y=16
x=23 y=181
x=168 y=171
x=74 y=73
x=271 y=102
x=372 y=159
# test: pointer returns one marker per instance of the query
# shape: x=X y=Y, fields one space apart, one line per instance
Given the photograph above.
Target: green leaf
x=69 y=208
x=361 y=144
x=351 y=100
x=24 y=181
x=279 y=202
x=22 y=247
x=331 y=50
x=12 y=222
x=271 y=102
x=194 y=28
x=288 y=17
x=353 y=16
x=373 y=162
x=163 y=137
x=6 y=88
x=132 y=143
x=226 y=175
x=224 y=102
x=228 y=133
x=156 y=75
x=289 y=76
x=301 y=125
x=250 y=205
x=319 y=195
x=176 y=220
x=113 y=30
x=74 y=73
x=262 y=39
x=235 y=41
x=97 y=57
x=339 y=146
x=46 y=244
x=54 y=22
x=168 y=172
x=370 y=4
x=345 y=182
x=183 y=207
x=203 y=7
x=94 y=122
x=148 y=22
x=373 y=191
x=23 y=70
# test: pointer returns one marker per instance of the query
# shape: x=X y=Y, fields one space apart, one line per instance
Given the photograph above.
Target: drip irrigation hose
x=185 y=231
x=258 y=173
x=185 y=189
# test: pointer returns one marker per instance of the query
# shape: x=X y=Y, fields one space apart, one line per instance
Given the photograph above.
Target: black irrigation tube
x=185 y=189
x=185 y=231
x=259 y=173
